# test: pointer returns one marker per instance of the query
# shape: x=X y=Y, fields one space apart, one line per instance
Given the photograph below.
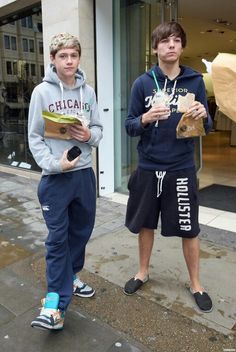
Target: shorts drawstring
x=160 y=177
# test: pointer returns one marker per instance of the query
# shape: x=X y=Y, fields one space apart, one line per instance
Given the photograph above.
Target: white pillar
x=104 y=40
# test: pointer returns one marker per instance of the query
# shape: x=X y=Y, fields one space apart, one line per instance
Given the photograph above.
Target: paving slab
x=20 y=295
x=81 y=334
x=10 y=252
x=114 y=256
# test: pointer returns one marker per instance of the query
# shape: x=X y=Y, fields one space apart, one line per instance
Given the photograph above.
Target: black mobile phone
x=73 y=153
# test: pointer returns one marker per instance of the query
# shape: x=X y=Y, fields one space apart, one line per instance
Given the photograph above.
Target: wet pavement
x=161 y=317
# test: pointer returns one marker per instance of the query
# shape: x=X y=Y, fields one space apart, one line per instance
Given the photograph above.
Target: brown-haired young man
x=164 y=182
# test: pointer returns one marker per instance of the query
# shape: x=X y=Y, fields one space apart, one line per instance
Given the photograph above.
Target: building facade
x=116 y=48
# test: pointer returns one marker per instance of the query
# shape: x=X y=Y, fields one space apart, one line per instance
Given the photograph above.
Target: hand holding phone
x=73 y=153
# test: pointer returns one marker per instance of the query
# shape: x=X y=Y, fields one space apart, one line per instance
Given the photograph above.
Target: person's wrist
x=143 y=123
x=88 y=135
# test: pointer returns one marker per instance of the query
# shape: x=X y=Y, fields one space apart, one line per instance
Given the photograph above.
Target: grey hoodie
x=52 y=95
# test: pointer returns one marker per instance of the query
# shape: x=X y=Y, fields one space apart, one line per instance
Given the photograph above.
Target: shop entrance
x=133 y=23
x=211 y=28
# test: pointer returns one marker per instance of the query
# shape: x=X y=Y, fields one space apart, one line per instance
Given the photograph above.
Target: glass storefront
x=21 y=69
x=134 y=22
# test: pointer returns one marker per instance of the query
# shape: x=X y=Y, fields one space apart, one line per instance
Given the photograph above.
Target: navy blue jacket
x=158 y=147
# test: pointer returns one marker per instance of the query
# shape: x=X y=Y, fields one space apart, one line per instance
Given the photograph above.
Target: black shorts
x=172 y=195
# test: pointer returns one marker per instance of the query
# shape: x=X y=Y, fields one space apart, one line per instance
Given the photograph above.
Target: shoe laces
x=78 y=283
x=49 y=312
x=55 y=313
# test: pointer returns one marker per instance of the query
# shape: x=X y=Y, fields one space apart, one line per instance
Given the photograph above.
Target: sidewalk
x=162 y=317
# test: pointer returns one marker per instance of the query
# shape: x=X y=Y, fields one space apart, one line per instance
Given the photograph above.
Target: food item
x=185 y=101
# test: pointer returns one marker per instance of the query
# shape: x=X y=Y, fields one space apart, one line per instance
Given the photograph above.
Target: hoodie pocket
x=157 y=141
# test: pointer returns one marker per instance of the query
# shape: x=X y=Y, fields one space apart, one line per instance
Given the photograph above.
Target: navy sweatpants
x=68 y=202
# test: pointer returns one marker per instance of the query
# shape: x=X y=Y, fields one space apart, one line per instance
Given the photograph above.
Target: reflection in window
x=25 y=45
x=14 y=68
x=33 y=70
x=27 y=22
x=28 y=45
x=41 y=48
x=26 y=69
x=11 y=92
x=42 y=71
x=9 y=68
x=20 y=73
x=40 y=27
x=31 y=45
x=9 y=42
x=13 y=43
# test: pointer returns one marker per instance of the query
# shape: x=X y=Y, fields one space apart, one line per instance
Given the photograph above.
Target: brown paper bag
x=56 y=130
x=224 y=83
x=189 y=127
x=57 y=125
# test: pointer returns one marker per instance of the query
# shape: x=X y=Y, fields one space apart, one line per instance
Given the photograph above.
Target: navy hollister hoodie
x=158 y=147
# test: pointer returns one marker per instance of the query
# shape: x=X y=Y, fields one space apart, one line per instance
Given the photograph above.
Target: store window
x=18 y=77
x=133 y=24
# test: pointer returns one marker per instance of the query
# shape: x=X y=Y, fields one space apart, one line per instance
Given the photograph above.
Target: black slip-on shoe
x=202 y=300
x=133 y=285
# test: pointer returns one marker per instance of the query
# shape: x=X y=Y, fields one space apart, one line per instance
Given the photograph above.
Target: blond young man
x=67 y=189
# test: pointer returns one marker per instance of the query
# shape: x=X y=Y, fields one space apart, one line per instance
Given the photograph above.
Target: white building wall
x=75 y=17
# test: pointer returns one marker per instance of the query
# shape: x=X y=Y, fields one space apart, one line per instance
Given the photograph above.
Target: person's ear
x=52 y=58
x=155 y=52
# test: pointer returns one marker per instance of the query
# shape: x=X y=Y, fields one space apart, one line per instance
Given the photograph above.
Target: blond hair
x=64 y=40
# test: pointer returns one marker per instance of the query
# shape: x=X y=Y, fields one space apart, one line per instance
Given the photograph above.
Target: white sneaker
x=81 y=289
x=50 y=317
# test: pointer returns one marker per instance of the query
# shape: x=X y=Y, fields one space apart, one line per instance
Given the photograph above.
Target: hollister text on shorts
x=183 y=204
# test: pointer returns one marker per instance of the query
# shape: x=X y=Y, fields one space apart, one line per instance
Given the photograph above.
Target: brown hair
x=64 y=40
x=166 y=29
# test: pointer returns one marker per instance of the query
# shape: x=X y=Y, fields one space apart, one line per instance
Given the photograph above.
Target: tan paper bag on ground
x=224 y=83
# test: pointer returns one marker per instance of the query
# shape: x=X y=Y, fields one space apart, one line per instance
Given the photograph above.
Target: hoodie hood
x=185 y=73
x=51 y=77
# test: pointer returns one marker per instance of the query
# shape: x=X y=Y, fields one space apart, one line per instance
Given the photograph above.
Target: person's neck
x=170 y=70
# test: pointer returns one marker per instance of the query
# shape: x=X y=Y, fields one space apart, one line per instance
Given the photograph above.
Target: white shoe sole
x=84 y=295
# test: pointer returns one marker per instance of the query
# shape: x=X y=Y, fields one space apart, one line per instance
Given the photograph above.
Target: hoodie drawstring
x=62 y=90
x=81 y=101
x=81 y=110
x=165 y=85
x=160 y=177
